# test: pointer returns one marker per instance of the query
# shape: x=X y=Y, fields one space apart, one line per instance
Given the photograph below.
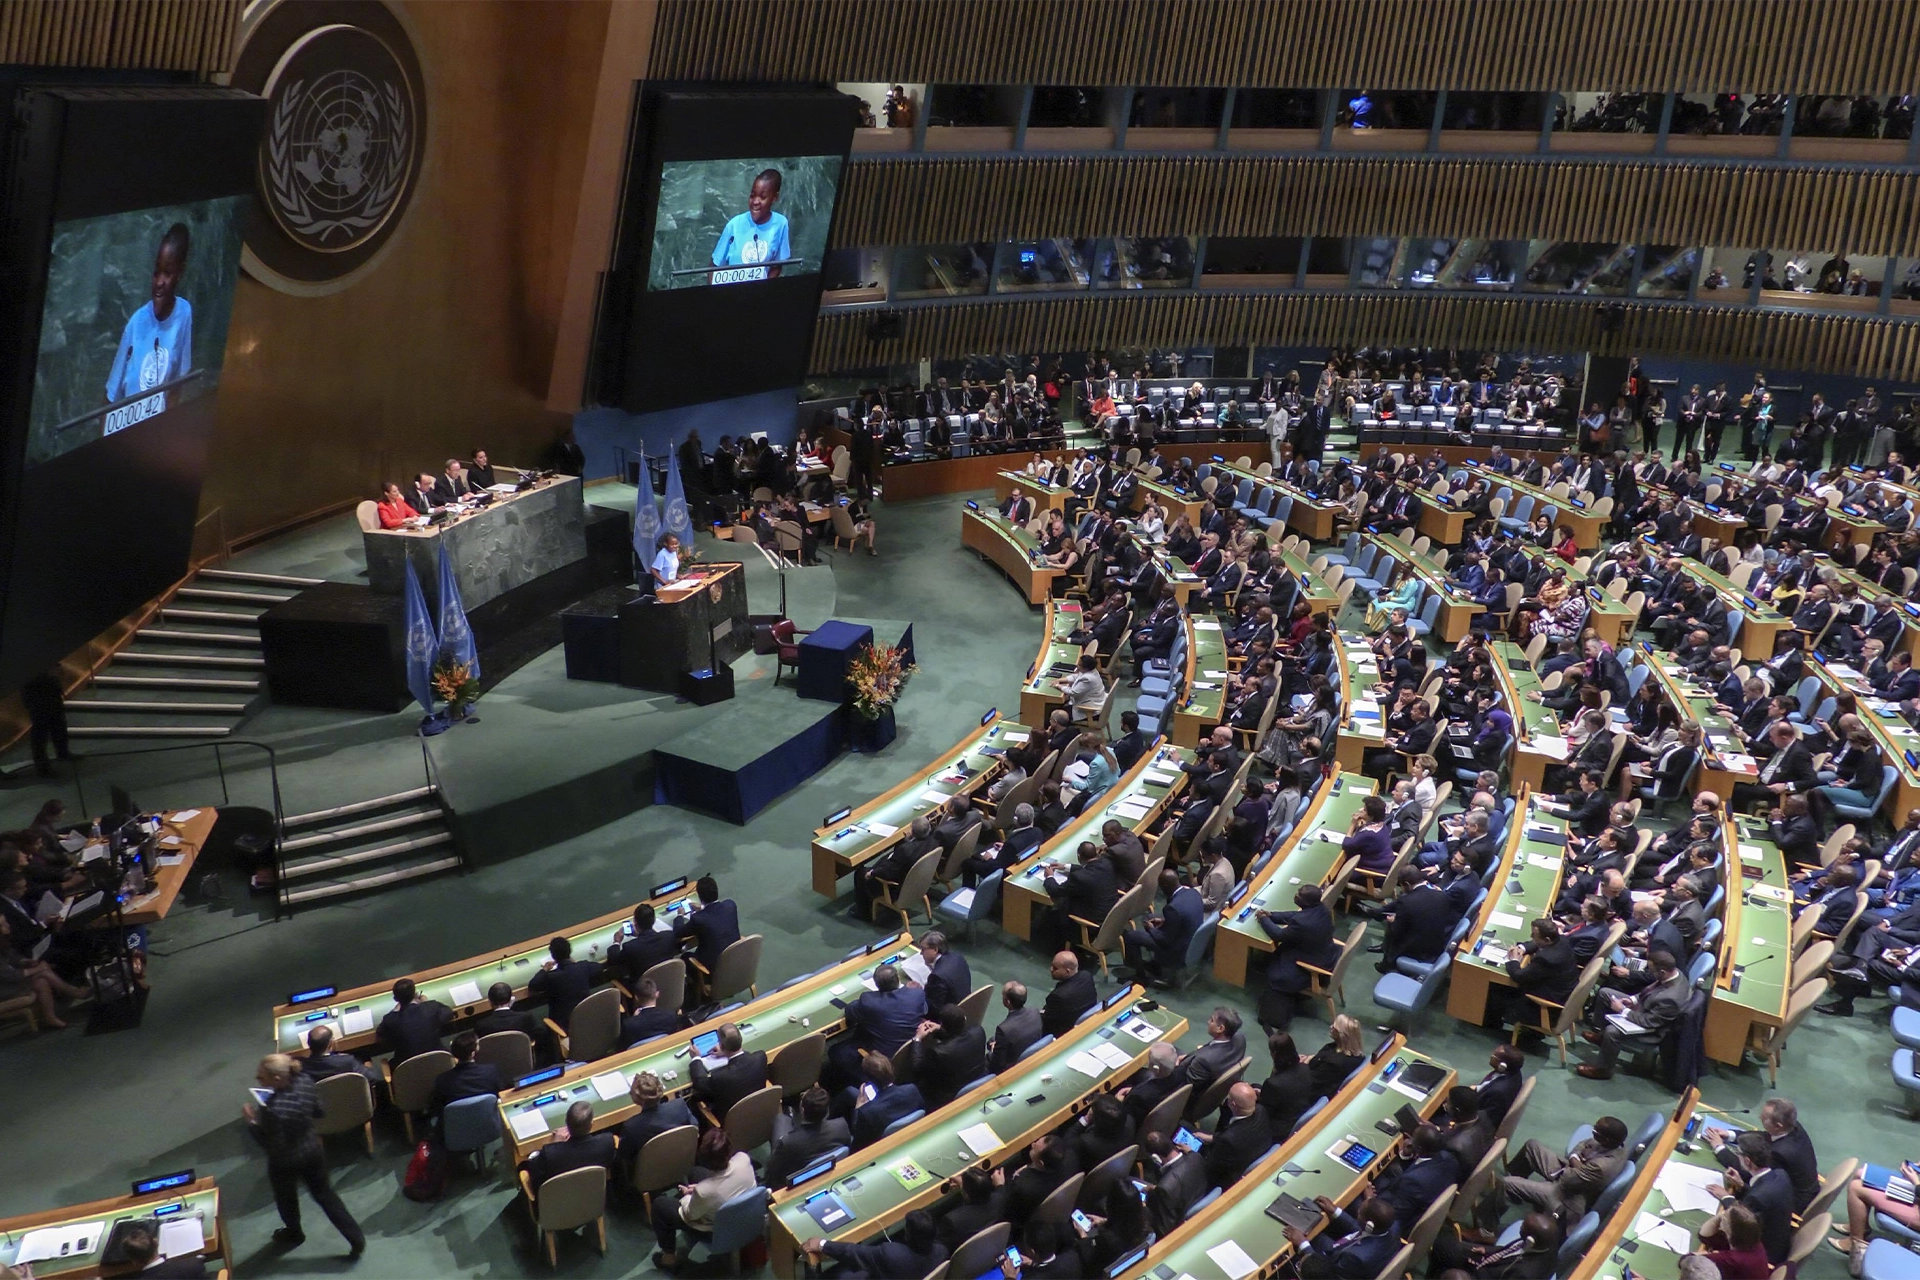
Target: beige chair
x=410 y=1085
x=1426 y=1228
x=974 y=1007
x=1150 y=876
x=1337 y=887
x=1329 y=984
x=1059 y=1202
x=749 y=1121
x=346 y=1104
x=955 y=862
x=1400 y=1265
x=1813 y=1229
x=842 y=466
x=1105 y=936
x=1802 y=931
x=843 y=530
x=914 y=887
x=510 y=1051
x=796 y=1067
x=1769 y=1041
x=737 y=969
x=1511 y=1125
x=1560 y=1021
x=368 y=514
x=567 y=1202
x=593 y=1029
x=980 y=1252
x=1479 y=1181
x=1168 y=1112
x=1811 y=963
x=1215 y=1094
x=665 y=1161
x=670 y=977
x=1833 y=1184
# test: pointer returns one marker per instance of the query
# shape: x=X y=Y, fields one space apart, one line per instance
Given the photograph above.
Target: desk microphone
x=1762 y=960
x=996 y=1098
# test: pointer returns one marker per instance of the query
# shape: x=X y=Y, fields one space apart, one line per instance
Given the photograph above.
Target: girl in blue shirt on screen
x=758 y=235
x=157 y=344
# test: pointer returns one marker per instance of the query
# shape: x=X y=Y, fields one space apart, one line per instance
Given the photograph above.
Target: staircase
x=193 y=672
x=369 y=844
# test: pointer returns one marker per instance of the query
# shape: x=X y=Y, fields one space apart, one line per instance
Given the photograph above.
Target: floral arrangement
x=453 y=684
x=877 y=675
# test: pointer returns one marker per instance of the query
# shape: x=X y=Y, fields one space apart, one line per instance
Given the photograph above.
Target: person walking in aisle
x=281 y=1121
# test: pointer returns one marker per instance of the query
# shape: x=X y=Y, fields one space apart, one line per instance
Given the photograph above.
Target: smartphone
x=1081 y=1222
x=1013 y=1257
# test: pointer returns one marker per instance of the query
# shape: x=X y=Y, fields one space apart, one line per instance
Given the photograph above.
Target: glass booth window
x=1566 y=266
x=1143 y=262
x=1503 y=112
x=1032 y=266
x=1379 y=109
x=1272 y=256
x=1276 y=109
x=942 y=270
x=1375 y=263
x=1667 y=270
x=1607 y=113
x=1060 y=106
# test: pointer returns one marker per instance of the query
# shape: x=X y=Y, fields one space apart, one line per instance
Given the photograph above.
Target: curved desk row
x=1525 y=885
x=34 y=1240
x=1012 y=548
x=1362 y=726
x=1899 y=742
x=1057 y=659
x=1754 y=977
x=1537 y=737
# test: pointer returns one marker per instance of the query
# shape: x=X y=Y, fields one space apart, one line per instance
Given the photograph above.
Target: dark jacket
x=465 y=1080
x=414 y=1029
x=564 y=986
x=1550 y=974
x=1236 y=1146
x=800 y=1145
x=870 y=1119
x=943 y=1065
x=1013 y=1037
x=642 y=1128
x=949 y=981
x=713 y=928
x=567 y=1154
x=1299 y=937
x=884 y=1020
x=722 y=1086
x=1069 y=998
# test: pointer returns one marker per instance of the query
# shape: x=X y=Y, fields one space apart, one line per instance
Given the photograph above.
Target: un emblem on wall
x=345 y=137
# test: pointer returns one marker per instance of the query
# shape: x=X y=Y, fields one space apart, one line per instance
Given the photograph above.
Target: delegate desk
x=84 y=1229
x=181 y=836
x=1235 y=1231
x=354 y=1015
x=517 y=537
x=1457 y=608
x=1205 y=680
x=1045 y=496
x=876 y=826
x=1569 y=511
x=1136 y=802
x=1870 y=592
x=1442 y=519
x=1175 y=502
x=1899 y=744
x=1610 y=617
x=1310 y=855
x=1537 y=737
x=1725 y=762
x=1527 y=882
x=530 y=1116
x=698 y=621
x=1658 y=1221
x=877 y=1186
x=1309 y=516
x=1362 y=727
x=1057 y=659
x=1014 y=549
x=1320 y=597
x=1751 y=986
x=1178 y=575
x=1760 y=623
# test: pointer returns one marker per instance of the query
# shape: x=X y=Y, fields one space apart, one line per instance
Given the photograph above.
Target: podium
x=698 y=622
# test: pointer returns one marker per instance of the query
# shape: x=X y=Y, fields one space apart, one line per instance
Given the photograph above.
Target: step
x=149 y=731
x=195 y=708
x=229 y=597
x=397 y=875
x=342 y=834
x=175 y=682
x=173 y=613
x=196 y=637
x=276 y=579
x=358 y=806
x=294 y=870
x=188 y=659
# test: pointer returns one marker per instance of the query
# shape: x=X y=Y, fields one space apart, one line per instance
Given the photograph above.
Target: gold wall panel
x=162 y=35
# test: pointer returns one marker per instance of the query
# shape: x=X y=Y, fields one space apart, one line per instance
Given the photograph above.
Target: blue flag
x=456 y=637
x=422 y=645
x=678 y=522
x=646 y=515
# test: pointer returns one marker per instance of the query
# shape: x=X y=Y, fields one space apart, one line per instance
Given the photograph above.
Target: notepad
x=1140 y=1029
x=1159 y=779
x=1671 y=1236
x=1551 y=747
x=185 y=815
x=1542 y=861
x=1233 y=1260
x=915 y=967
x=1112 y=1055
x=172 y=859
x=530 y=1123
x=182 y=1236
x=1505 y=921
x=1015 y=737
x=981 y=1138
x=1087 y=1065
x=464 y=993
x=930 y=796
x=610 y=1085
x=356 y=1022
x=53 y=1242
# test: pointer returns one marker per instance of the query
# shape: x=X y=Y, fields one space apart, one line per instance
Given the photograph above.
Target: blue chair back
x=1710 y=935
x=1430 y=610
x=1202 y=941
x=1036 y=1047
x=1283 y=508
x=471 y=1124
x=1577 y=1241
x=1650 y=1128
x=1701 y=968
x=1616 y=1190
x=903 y=1122
x=1351 y=546
x=740 y=1221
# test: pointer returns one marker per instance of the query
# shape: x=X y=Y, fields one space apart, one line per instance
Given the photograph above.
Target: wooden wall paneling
x=166 y=35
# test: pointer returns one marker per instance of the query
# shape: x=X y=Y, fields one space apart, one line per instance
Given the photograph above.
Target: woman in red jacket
x=393 y=508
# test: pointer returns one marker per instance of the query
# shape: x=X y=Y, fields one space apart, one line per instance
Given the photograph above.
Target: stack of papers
x=1551 y=747
x=530 y=1123
x=182 y=1237
x=1159 y=778
x=185 y=815
x=1112 y=1055
x=1140 y=1029
x=610 y=1085
x=357 y=1022
x=1087 y=1064
x=1233 y=1260
x=1506 y=921
x=1685 y=1187
x=981 y=1138
x=930 y=796
x=464 y=993
x=1016 y=737
x=77 y=1239
x=1671 y=1236
x=881 y=829
x=1543 y=862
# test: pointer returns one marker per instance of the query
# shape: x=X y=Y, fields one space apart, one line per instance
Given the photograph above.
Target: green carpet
x=90 y=1114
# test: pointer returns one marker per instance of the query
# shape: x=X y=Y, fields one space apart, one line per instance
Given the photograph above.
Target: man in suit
x=1017 y=509
x=1226 y=1045
x=563 y=982
x=421 y=497
x=1541 y=1177
x=949 y=980
x=580 y=1149
x=948 y=1053
x=1836 y=905
x=1352 y=1248
x=1087 y=892
x=980 y=1207
x=1650 y=1013
x=1422 y=919
x=1787 y=770
x=714 y=925
x=884 y=1019
x=648 y=1019
x=452 y=486
x=1242 y=1137
x=797 y=1143
x=1430 y=1168
x=1072 y=995
x=891 y=867
x=630 y=960
x=1019 y=840
x=1767 y=1191
x=1301 y=936
x=1541 y=966
x=502 y=1016
x=1154 y=1085
x=1168 y=934
x=959 y=818
x=321 y=1061
x=1125 y=851
x=1177 y=1177
x=414 y=1027
x=658 y=1113
x=466 y=1078
x=1017 y=1030
x=1795 y=833
x=738 y=1074
x=142 y=1248
x=1132 y=742
x=1049 y=1163
x=914 y=1251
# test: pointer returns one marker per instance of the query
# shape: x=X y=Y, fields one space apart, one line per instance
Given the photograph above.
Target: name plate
x=139 y=411
x=738 y=275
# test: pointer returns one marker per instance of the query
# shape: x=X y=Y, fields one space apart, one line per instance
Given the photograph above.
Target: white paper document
x=610 y=1085
x=962 y=900
x=1505 y=921
x=881 y=829
x=530 y=1123
x=59 y=1242
x=981 y=1138
x=1624 y=1025
x=915 y=967
x=1112 y=1055
x=1552 y=748
x=1159 y=779
x=185 y=815
x=1233 y=1260
x=1670 y=1236
x=464 y=993
x=356 y=1022
x=930 y=796
x=1683 y=1194
x=1015 y=738
x=1140 y=1029
x=181 y=1237
x=1087 y=1065
x=1542 y=861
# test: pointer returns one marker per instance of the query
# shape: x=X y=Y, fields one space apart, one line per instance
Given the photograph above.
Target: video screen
x=742 y=221
x=727 y=215
x=135 y=321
